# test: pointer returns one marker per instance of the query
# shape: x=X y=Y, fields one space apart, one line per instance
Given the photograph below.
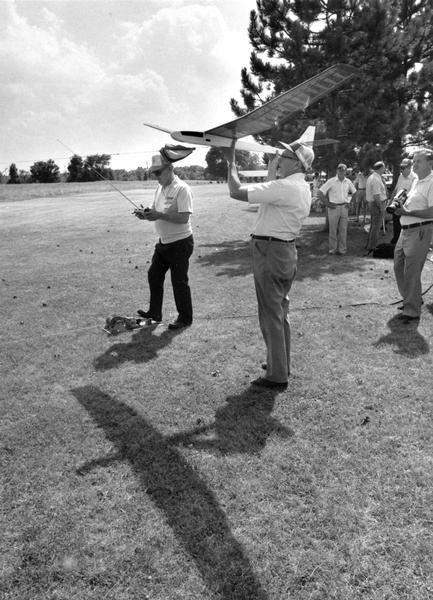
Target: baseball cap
x=342 y=166
x=303 y=152
x=406 y=162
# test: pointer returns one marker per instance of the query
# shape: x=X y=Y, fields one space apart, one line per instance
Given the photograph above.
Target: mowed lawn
x=145 y=466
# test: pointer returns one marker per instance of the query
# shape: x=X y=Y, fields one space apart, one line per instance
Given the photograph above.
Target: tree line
x=97 y=166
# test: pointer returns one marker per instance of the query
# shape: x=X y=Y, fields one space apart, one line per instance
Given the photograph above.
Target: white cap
x=303 y=152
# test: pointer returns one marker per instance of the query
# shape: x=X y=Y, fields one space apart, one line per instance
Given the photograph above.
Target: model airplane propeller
x=265 y=117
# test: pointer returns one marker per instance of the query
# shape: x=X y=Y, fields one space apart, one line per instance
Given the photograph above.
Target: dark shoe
x=147 y=315
x=407 y=319
x=178 y=325
x=267 y=383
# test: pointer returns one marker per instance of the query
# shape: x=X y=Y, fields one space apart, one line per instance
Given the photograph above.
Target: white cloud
x=175 y=66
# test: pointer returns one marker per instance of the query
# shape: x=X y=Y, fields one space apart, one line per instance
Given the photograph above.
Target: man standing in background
x=336 y=194
x=376 y=196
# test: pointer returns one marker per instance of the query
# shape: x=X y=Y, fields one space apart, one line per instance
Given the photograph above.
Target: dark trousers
x=174 y=256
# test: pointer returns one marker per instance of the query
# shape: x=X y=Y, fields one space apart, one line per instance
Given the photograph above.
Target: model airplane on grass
x=268 y=116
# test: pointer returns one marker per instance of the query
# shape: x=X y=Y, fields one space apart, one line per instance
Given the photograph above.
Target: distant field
x=145 y=466
x=27 y=191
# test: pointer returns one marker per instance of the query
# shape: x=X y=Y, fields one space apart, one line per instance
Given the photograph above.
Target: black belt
x=269 y=238
x=412 y=225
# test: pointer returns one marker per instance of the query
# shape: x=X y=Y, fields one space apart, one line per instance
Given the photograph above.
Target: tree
x=45 y=171
x=96 y=166
x=388 y=104
x=75 y=168
x=217 y=164
x=13 y=174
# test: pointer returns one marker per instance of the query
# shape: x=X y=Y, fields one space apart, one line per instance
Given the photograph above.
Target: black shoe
x=408 y=319
x=178 y=324
x=146 y=315
x=267 y=383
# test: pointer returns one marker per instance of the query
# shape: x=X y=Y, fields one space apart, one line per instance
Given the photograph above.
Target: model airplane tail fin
x=308 y=136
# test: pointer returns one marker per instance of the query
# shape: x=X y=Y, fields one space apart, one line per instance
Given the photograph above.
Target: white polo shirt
x=338 y=190
x=175 y=198
x=405 y=183
x=284 y=204
x=419 y=197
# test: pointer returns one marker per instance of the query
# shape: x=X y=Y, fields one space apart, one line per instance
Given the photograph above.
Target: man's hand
x=141 y=213
x=152 y=215
x=229 y=153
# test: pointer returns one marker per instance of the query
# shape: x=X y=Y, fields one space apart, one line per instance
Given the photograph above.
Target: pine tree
x=388 y=104
x=13 y=174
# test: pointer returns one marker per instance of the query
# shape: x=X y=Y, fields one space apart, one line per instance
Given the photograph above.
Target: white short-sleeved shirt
x=284 y=204
x=375 y=186
x=175 y=198
x=419 y=197
x=338 y=190
x=405 y=183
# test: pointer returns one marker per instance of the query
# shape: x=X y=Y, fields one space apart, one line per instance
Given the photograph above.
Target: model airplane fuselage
x=268 y=115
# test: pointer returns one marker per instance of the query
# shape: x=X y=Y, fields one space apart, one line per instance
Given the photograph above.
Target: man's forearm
x=237 y=191
x=174 y=217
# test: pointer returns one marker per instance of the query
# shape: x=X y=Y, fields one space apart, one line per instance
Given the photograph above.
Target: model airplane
x=269 y=115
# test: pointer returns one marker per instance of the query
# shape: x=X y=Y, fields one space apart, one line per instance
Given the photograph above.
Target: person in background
x=336 y=193
x=415 y=237
x=171 y=213
x=360 y=201
x=284 y=203
x=405 y=181
x=376 y=196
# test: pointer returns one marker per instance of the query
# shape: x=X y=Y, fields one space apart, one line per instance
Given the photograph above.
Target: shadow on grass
x=313 y=257
x=234 y=256
x=142 y=347
x=185 y=502
x=243 y=425
x=406 y=337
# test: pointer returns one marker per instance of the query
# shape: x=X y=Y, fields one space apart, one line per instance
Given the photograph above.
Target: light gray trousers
x=274 y=268
x=409 y=257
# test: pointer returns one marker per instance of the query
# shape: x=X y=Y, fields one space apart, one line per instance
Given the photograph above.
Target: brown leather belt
x=412 y=225
x=269 y=238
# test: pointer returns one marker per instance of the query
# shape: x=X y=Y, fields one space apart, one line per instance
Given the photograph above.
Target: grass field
x=145 y=466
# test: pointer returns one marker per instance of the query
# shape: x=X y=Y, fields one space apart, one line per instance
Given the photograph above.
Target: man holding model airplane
x=284 y=203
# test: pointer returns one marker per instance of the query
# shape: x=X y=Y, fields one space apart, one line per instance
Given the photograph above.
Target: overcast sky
x=89 y=73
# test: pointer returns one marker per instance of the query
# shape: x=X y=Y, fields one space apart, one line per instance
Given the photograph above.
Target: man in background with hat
x=284 y=203
x=336 y=194
x=171 y=213
x=405 y=181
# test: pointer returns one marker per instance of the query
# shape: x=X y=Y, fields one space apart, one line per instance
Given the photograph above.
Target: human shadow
x=243 y=425
x=406 y=337
x=176 y=489
x=233 y=255
x=142 y=347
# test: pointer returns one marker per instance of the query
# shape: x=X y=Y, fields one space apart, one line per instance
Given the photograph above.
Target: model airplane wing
x=266 y=116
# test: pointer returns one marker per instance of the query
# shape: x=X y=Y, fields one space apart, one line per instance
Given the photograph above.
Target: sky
x=86 y=75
